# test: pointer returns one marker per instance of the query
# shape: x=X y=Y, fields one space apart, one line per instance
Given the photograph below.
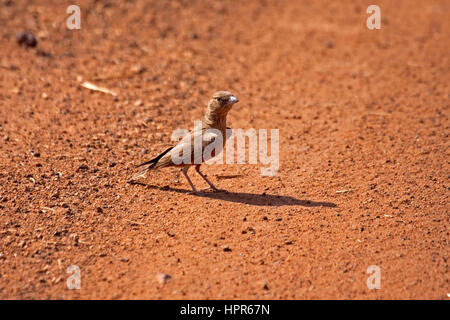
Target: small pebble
x=163 y=277
x=26 y=39
x=83 y=167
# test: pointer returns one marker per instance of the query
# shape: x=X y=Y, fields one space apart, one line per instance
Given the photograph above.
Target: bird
x=184 y=154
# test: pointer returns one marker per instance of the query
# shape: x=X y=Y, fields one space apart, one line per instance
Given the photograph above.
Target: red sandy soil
x=357 y=109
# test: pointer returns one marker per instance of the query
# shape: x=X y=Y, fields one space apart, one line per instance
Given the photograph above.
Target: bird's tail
x=147 y=166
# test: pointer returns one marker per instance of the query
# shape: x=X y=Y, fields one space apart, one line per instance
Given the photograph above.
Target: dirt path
x=363 y=117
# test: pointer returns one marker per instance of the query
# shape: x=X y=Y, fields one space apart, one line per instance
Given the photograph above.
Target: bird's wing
x=191 y=148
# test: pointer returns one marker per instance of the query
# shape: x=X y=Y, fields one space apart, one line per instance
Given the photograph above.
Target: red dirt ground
x=357 y=109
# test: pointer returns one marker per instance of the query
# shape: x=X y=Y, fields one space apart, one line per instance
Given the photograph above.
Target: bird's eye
x=219 y=99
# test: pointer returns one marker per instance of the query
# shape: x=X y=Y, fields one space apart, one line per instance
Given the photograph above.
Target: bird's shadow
x=247 y=198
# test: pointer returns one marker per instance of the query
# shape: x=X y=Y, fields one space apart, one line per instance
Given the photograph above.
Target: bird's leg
x=197 y=168
x=185 y=170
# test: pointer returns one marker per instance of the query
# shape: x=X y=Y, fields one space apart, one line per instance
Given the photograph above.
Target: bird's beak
x=232 y=100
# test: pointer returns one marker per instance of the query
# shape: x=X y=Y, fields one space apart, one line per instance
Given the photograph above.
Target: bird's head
x=221 y=102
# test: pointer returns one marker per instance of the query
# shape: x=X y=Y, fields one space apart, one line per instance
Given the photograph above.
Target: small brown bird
x=185 y=154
